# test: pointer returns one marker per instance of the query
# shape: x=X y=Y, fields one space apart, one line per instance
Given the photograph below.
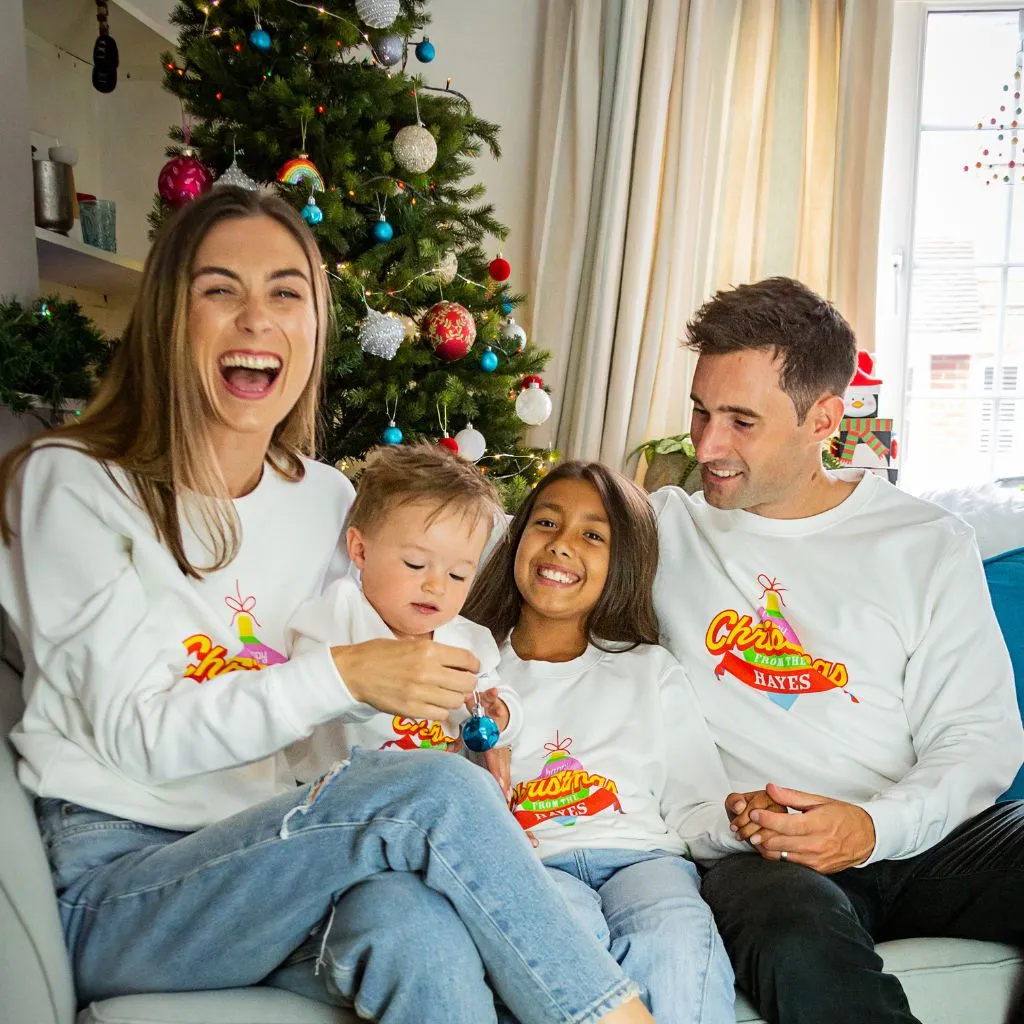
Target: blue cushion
x=1005 y=575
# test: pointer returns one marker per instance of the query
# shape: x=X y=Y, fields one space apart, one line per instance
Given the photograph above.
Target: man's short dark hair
x=815 y=346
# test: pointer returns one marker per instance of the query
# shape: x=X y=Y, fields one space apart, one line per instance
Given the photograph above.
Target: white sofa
x=948 y=981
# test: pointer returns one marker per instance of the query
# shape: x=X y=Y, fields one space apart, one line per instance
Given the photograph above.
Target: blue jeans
x=646 y=909
x=150 y=910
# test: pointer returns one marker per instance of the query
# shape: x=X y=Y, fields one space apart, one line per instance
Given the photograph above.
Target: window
x=951 y=283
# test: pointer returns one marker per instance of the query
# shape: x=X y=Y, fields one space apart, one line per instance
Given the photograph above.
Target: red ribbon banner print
x=593 y=804
x=802 y=679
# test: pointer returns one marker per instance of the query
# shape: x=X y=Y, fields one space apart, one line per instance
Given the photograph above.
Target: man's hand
x=739 y=806
x=413 y=678
x=827 y=835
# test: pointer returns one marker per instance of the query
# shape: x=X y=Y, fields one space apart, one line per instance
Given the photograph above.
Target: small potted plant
x=670 y=460
x=50 y=357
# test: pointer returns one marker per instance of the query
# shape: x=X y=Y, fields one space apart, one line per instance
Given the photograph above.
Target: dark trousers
x=802 y=944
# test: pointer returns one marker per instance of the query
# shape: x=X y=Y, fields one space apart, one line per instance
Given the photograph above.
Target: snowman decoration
x=865 y=440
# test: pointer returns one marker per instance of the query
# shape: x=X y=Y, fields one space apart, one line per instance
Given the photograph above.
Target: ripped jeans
x=145 y=909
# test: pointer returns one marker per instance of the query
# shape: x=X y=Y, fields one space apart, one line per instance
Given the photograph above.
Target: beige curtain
x=683 y=147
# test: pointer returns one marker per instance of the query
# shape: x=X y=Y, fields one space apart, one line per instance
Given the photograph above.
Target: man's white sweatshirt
x=852 y=654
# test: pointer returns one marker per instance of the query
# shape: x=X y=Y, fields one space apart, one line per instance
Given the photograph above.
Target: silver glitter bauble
x=415 y=149
x=377 y=13
x=513 y=334
x=389 y=50
x=381 y=334
x=234 y=175
x=447 y=267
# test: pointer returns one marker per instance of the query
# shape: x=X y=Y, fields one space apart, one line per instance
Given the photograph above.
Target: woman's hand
x=413 y=678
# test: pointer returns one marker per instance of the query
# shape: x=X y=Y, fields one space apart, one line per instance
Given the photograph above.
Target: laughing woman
x=153 y=552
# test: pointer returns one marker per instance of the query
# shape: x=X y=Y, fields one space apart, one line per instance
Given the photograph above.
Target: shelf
x=65 y=261
x=138 y=27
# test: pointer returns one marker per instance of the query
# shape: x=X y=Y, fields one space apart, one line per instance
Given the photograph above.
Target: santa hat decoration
x=864 y=378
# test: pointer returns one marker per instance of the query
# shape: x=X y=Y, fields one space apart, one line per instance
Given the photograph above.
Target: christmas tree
x=337 y=105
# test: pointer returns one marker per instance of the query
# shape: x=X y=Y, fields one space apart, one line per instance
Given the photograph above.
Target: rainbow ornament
x=300 y=170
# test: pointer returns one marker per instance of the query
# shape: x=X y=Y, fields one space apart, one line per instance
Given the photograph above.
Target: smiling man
x=845 y=653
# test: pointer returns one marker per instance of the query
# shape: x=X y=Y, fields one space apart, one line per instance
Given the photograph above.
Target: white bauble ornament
x=472 y=444
x=378 y=13
x=415 y=149
x=513 y=334
x=447 y=267
x=381 y=334
x=533 y=406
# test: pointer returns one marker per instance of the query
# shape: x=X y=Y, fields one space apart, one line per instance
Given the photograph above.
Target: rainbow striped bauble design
x=300 y=170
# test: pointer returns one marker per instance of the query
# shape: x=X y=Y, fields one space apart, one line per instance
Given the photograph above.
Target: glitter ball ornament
x=392 y=434
x=383 y=231
x=533 y=406
x=472 y=444
x=380 y=334
x=513 y=334
x=259 y=39
x=450 y=329
x=311 y=213
x=447 y=267
x=389 y=50
x=415 y=149
x=479 y=732
x=234 y=175
x=182 y=179
x=500 y=269
x=489 y=361
x=425 y=52
x=378 y=13
x=449 y=444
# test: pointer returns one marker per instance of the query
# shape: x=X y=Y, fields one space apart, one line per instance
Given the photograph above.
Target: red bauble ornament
x=500 y=269
x=449 y=444
x=531 y=378
x=183 y=179
x=451 y=330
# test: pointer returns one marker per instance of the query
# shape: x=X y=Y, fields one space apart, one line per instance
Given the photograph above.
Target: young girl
x=614 y=775
x=152 y=555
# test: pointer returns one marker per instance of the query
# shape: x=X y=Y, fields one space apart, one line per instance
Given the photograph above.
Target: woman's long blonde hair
x=149 y=414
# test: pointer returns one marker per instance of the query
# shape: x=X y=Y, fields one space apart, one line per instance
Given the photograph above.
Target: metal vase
x=53 y=190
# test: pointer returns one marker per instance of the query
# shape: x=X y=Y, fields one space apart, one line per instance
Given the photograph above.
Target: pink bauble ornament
x=182 y=179
x=451 y=330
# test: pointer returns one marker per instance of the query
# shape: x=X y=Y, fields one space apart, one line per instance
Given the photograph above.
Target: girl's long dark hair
x=623 y=617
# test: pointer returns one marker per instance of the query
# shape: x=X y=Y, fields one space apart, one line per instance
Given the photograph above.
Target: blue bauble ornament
x=425 y=51
x=311 y=213
x=259 y=39
x=392 y=434
x=383 y=231
x=489 y=361
x=506 y=307
x=480 y=732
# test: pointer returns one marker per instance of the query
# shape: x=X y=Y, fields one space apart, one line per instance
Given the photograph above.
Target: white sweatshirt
x=615 y=753
x=344 y=616
x=149 y=695
x=852 y=654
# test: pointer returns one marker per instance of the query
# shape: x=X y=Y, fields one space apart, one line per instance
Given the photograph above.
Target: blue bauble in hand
x=480 y=732
x=259 y=39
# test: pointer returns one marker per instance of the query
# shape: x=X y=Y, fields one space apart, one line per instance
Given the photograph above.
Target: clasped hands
x=826 y=835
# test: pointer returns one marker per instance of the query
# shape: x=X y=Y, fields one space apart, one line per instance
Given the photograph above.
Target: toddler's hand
x=739 y=805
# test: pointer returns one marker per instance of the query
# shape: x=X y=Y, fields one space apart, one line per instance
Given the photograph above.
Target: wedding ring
x=784 y=855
